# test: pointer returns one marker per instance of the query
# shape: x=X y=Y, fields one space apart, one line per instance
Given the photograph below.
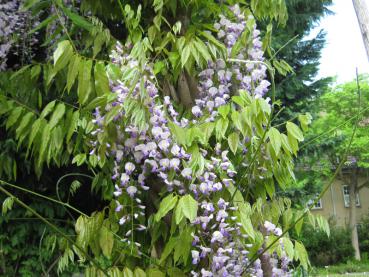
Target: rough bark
x=352 y=216
x=169 y=90
x=183 y=90
x=362 y=15
x=266 y=265
x=192 y=85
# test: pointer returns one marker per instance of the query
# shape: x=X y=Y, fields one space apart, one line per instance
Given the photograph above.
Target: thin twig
x=43 y=196
x=338 y=169
x=53 y=227
x=57 y=187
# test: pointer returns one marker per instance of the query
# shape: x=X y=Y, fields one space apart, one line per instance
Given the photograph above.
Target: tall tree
x=297 y=90
x=340 y=107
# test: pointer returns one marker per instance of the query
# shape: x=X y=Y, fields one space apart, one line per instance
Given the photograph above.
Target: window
x=346 y=196
x=318 y=205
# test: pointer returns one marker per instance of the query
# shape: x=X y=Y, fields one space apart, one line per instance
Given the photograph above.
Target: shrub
x=364 y=237
x=324 y=250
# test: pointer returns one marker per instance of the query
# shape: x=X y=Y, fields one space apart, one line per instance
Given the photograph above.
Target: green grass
x=352 y=267
x=341 y=275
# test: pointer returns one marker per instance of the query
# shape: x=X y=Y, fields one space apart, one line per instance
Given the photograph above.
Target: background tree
x=297 y=90
x=340 y=107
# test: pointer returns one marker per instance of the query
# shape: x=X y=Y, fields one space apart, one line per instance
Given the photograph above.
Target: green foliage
x=324 y=250
x=351 y=266
x=339 y=107
x=297 y=90
x=46 y=116
x=363 y=237
x=27 y=247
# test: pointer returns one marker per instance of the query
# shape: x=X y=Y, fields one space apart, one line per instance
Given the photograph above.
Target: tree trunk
x=266 y=265
x=352 y=217
x=362 y=15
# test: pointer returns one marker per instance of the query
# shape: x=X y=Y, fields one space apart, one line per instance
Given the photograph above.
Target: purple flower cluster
x=149 y=149
x=219 y=79
x=14 y=27
x=279 y=264
x=226 y=255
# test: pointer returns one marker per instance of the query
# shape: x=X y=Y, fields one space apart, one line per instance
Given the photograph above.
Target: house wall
x=333 y=204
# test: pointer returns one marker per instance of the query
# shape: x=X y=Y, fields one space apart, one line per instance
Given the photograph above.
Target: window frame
x=318 y=205
x=346 y=197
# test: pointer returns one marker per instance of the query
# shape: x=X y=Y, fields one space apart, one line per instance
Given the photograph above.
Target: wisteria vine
x=219 y=246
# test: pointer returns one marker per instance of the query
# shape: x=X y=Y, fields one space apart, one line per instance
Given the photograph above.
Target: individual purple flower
x=118 y=191
x=164 y=163
x=118 y=156
x=124 y=179
x=278 y=231
x=269 y=227
x=176 y=150
x=153 y=164
x=164 y=145
x=187 y=173
x=174 y=163
x=206 y=273
x=129 y=167
x=131 y=190
x=196 y=111
x=195 y=256
x=119 y=207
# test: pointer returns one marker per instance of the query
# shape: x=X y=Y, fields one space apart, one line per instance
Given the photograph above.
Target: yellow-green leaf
x=48 y=108
x=84 y=78
x=189 y=207
x=101 y=80
x=127 y=272
x=167 y=204
x=233 y=140
x=185 y=54
x=139 y=272
x=62 y=55
x=106 y=241
x=73 y=125
x=57 y=115
x=301 y=254
x=294 y=131
x=73 y=71
x=275 y=139
x=14 y=116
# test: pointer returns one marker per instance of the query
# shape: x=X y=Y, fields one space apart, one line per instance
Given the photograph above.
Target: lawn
x=351 y=268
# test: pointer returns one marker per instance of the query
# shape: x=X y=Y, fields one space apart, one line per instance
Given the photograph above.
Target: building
x=335 y=203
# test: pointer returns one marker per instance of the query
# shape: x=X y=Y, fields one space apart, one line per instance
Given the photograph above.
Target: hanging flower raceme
x=145 y=147
x=14 y=27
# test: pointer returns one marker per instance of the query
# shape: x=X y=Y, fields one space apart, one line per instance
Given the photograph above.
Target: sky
x=344 y=50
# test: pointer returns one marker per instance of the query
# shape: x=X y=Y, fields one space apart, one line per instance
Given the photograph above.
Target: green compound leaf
x=301 y=254
x=57 y=115
x=233 y=141
x=72 y=71
x=294 y=131
x=7 y=205
x=166 y=205
x=48 y=108
x=187 y=207
x=275 y=139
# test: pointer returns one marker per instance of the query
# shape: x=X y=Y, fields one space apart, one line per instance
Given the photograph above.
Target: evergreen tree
x=297 y=90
